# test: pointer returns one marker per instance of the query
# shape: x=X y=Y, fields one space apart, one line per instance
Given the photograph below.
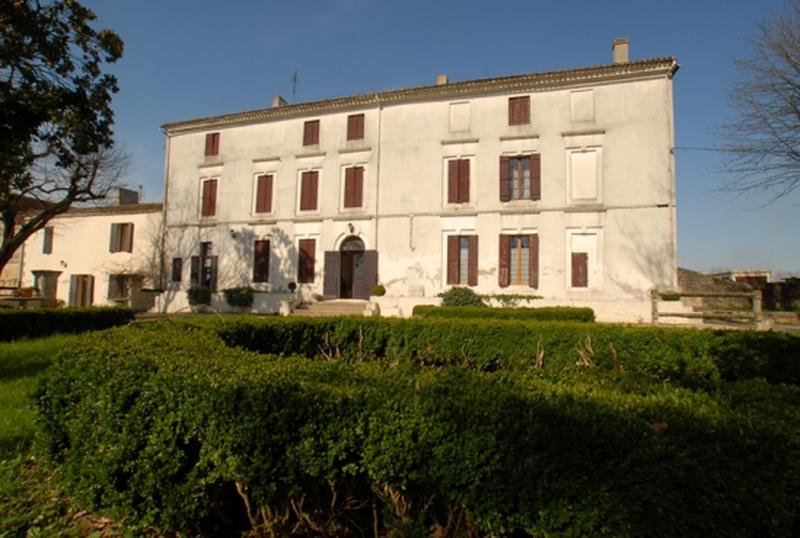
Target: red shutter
x=311 y=133
x=305 y=265
x=536 y=176
x=533 y=260
x=472 y=270
x=308 y=190
x=261 y=261
x=503 y=275
x=452 y=181
x=525 y=110
x=209 y=198
x=128 y=237
x=212 y=144
x=512 y=111
x=355 y=127
x=358 y=193
x=314 y=190
x=452 y=259
x=113 y=243
x=264 y=194
x=349 y=187
x=47 y=247
x=580 y=269
x=463 y=180
x=505 y=181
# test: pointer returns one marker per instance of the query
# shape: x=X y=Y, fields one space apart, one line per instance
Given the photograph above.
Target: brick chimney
x=441 y=80
x=278 y=101
x=619 y=50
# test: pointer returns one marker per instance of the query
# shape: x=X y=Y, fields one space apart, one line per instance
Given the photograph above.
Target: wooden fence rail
x=753 y=315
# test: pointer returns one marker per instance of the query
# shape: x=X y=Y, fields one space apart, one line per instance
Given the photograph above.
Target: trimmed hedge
x=39 y=322
x=545 y=313
x=687 y=356
x=166 y=426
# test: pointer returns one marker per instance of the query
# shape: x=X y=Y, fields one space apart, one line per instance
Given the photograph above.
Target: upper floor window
x=212 y=144
x=519 y=110
x=264 y=193
x=355 y=127
x=462 y=260
x=309 y=186
x=47 y=245
x=354 y=186
x=521 y=177
x=311 y=133
x=458 y=181
x=121 y=237
x=208 y=202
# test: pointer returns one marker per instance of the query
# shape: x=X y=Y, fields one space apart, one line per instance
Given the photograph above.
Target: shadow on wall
x=651 y=262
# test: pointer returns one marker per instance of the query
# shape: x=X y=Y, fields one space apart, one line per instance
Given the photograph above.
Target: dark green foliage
x=162 y=422
x=544 y=313
x=686 y=356
x=38 y=322
x=379 y=290
x=460 y=296
x=198 y=296
x=239 y=297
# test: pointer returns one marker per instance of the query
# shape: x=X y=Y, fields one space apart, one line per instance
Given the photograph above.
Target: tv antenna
x=295 y=82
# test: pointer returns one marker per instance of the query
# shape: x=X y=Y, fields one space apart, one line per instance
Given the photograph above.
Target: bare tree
x=763 y=142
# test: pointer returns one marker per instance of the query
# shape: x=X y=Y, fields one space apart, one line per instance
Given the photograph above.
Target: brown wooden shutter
x=213 y=272
x=308 y=190
x=472 y=271
x=128 y=237
x=452 y=181
x=536 y=176
x=212 y=144
x=580 y=269
x=358 y=191
x=209 y=208
x=194 y=275
x=331 y=273
x=512 y=111
x=355 y=127
x=524 y=110
x=349 y=187
x=452 y=259
x=463 y=180
x=311 y=133
x=73 y=290
x=533 y=260
x=177 y=269
x=505 y=181
x=305 y=265
x=314 y=190
x=47 y=246
x=261 y=261
x=264 y=194
x=366 y=275
x=89 y=290
x=503 y=274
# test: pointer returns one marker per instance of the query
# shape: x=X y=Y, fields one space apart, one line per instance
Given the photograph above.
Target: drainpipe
x=378 y=170
x=161 y=276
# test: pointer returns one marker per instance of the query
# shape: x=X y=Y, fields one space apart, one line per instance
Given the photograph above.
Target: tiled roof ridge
x=666 y=66
x=142 y=207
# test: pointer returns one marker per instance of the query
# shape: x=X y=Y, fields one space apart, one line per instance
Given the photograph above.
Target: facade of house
x=556 y=185
x=98 y=255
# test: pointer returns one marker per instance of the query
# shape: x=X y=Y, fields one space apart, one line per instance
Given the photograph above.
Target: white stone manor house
x=559 y=185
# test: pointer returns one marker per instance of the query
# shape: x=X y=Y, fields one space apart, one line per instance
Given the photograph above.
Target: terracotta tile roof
x=655 y=67
x=121 y=209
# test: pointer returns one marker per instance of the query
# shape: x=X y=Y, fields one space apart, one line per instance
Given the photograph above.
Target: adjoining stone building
x=559 y=185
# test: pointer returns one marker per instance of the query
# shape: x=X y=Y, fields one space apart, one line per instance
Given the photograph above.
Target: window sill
x=451 y=141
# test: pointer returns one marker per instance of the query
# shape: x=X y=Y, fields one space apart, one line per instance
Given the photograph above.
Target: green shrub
x=168 y=427
x=379 y=290
x=39 y=322
x=548 y=313
x=199 y=296
x=239 y=297
x=460 y=296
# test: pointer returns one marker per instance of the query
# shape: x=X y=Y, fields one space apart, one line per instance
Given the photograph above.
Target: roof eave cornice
x=638 y=70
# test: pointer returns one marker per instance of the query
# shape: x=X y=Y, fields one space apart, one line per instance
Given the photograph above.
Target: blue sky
x=186 y=59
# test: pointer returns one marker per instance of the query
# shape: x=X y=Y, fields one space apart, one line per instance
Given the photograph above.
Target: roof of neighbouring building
x=117 y=209
x=655 y=67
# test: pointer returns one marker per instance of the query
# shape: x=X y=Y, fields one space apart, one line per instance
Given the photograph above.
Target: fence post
x=757 y=318
x=654 y=305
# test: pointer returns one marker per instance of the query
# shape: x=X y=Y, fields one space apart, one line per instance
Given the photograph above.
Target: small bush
x=39 y=322
x=547 y=313
x=460 y=296
x=379 y=290
x=239 y=297
x=199 y=296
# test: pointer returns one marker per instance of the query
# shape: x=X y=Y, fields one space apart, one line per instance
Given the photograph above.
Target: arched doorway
x=352 y=271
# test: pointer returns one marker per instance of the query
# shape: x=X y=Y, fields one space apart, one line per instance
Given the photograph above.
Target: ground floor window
x=519 y=260
x=462 y=260
x=204 y=268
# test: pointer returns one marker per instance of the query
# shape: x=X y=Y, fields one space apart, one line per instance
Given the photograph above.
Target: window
x=119 y=287
x=305 y=265
x=309 y=184
x=519 y=260
x=462 y=260
x=311 y=133
x=264 y=193
x=584 y=174
x=204 y=268
x=459 y=117
x=121 y=237
x=261 y=261
x=580 y=269
x=47 y=245
x=355 y=127
x=81 y=290
x=177 y=269
x=519 y=110
x=208 y=204
x=354 y=186
x=521 y=178
x=583 y=257
x=212 y=144
x=458 y=181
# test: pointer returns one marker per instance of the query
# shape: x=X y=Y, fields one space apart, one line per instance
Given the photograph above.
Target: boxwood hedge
x=167 y=426
x=544 y=313
x=687 y=356
x=39 y=322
